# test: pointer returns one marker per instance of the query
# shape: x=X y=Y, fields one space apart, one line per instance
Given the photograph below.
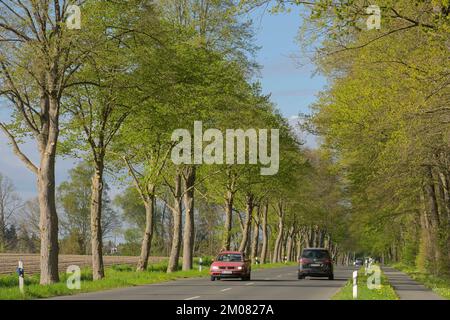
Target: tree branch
x=17 y=150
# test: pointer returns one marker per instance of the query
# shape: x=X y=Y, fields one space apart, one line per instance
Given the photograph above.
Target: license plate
x=227 y=272
x=315 y=264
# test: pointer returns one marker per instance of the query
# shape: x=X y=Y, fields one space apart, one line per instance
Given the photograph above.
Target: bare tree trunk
x=189 y=231
x=289 y=243
x=327 y=241
x=149 y=204
x=277 y=249
x=228 y=221
x=169 y=232
x=279 y=258
x=248 y=247
x=299 y=245
x=321 y=238
x=98 y=271
x=48 y=224
x=265 y=238
x=293 y=248
x=177 y=220
x=255 y=236
x=247 y=224
x=310 y=236
x=316 y=237
x=334 y=252
x=432 y=218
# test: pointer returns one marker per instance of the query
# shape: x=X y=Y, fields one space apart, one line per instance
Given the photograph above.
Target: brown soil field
x=9 y=261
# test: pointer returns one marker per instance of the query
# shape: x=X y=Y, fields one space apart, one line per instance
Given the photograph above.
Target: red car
x=230 y=264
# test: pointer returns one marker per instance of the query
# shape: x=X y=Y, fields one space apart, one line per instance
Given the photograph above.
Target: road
x=266 y=284
x=407 y=288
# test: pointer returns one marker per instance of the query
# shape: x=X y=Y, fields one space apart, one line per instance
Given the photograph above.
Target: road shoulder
x=407 y=288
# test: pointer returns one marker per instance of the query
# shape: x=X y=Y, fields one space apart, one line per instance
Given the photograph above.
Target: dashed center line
x=249 y=284
x=223 y=290
x=192 y=298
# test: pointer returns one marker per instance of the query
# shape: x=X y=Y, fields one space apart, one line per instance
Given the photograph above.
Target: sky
x=292 y=88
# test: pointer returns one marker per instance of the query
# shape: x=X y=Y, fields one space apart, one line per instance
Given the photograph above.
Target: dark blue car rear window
x=315 y=254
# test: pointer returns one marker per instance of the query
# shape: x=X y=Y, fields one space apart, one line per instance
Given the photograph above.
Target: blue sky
x=293 y=89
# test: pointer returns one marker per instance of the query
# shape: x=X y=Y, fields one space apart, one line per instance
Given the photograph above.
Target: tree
x=38 y=58
x=133 y=211
x=10 y=203
x=28 y=218
x=387 y=87
x=74 y=197
x=99 y=110
x=11 y=239
x=214 y=29
x=26 y=242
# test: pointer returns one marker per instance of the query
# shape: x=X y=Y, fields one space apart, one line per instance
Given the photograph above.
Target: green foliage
x=133 y=211
x=132 y=245
x=379 y=120
x=74 y=198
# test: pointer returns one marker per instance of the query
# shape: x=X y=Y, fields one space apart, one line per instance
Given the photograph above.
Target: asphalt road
x=407 y=288
x=266 y=284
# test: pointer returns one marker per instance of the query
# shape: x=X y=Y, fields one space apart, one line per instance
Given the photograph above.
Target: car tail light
x=304 y=261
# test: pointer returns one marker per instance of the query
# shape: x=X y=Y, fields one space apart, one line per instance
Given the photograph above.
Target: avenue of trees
x=112 y=93
x=384 y=120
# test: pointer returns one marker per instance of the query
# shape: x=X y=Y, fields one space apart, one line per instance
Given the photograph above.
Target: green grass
x=116 y=276
x=439 y=284
x=364 y=293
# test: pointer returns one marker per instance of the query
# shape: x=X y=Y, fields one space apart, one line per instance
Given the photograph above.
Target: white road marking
x=249 y=284
x=266 y=278
x=279 y=276
x=192 y=298
x=223 y=290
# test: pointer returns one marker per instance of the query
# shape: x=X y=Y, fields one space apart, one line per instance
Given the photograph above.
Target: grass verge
x=116 y=277
x=386 y=292
x=439 y=284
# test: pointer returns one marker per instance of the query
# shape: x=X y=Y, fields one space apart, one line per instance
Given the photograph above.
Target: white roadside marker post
x=355 y=284
x=21 y=274
x=200 y=262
